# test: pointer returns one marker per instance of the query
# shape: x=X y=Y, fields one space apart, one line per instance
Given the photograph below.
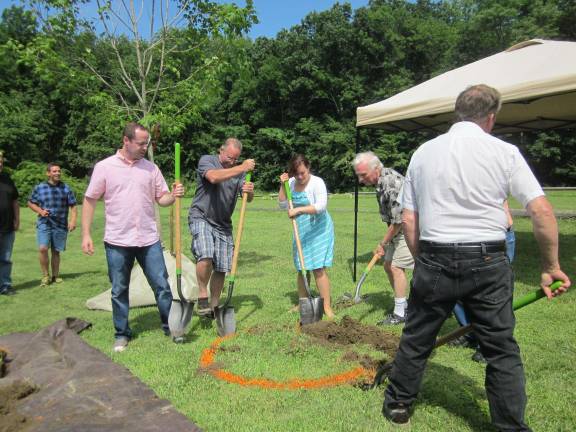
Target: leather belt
x=476 y=247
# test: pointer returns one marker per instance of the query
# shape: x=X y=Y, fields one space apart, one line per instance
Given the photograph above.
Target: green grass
x=452 y=397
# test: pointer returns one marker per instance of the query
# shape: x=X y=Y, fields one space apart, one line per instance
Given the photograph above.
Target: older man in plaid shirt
x=51 y=200
x=393 y=248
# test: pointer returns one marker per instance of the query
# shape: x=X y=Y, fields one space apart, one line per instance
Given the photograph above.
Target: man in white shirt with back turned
x=455 y=226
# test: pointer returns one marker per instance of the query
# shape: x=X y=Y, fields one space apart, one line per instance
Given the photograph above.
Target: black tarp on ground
x=56 y=382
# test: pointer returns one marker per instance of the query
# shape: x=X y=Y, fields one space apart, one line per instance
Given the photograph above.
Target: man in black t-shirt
x=9 y=224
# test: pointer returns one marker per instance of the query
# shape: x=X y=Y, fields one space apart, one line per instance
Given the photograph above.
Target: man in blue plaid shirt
x=51 y=200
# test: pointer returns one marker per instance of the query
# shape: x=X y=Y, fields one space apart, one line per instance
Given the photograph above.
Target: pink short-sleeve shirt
x=130 y=191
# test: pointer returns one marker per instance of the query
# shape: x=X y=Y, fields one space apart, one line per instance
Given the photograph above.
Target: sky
x=274 y=15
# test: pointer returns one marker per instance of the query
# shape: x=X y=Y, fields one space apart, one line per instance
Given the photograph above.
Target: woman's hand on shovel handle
x=284 y=177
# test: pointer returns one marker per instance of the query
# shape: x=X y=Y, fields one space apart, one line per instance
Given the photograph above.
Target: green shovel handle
x=288 y=191
x=177 y=162
x=533 y=296
x=248 y=177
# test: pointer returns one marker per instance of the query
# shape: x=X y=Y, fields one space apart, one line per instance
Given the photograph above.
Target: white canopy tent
x=536 y=78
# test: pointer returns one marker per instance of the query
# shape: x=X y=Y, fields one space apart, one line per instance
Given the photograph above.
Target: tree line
x=69 y=84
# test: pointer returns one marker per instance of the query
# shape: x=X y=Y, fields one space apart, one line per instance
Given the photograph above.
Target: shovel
x=517 y=304
x=347 y=297
x=224 y=315
x=311 y=308
x=181 y=309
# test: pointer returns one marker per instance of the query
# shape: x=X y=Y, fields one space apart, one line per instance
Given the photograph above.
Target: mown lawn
x=267 y=345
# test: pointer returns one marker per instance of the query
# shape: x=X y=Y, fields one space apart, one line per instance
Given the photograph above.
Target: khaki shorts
x=398 y=253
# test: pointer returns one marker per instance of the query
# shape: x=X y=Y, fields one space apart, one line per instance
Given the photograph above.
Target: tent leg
x=356 y=211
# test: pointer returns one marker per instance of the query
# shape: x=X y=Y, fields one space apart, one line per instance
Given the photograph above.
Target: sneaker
x=57 y=280
x=120 y=344
x=392 y=319
x=204 y=308
x=478 y=357
x=462 y=342
x=8 y=291
x=45 y=281
x=397 y=413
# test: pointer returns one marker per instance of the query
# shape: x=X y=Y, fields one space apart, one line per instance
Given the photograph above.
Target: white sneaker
x=120 y=344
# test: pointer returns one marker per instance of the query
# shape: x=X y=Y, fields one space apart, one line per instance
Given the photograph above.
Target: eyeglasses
x=228 y=158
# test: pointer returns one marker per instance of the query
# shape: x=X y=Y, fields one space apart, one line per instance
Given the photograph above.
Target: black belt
x=476 y=247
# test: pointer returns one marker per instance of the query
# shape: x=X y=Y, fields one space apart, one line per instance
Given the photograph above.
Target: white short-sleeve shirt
x=458 y=181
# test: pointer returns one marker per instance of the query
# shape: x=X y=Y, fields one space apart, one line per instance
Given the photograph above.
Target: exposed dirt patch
x=3 y=355
x=208 y=369
x=229 y=348
x=10 y=419
x=352 y=332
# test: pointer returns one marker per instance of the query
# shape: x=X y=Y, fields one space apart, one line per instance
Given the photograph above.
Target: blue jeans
x=484 y=284
x=6 y=246
x=120 y=262
x=459 y=311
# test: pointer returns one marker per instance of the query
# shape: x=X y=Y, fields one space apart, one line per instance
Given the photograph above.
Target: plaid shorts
x=210 y=243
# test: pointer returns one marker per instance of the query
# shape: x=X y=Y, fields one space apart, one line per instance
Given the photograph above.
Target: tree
x=164 y=52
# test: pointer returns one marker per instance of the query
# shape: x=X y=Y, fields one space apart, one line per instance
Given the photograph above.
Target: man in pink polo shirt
x=130 y=186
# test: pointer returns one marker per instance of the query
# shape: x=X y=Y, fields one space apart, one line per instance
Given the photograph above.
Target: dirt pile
x=352 y=332
x=10 y=419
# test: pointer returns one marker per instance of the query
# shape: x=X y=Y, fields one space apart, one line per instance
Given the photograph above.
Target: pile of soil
x=10 y=419
x=350 y=332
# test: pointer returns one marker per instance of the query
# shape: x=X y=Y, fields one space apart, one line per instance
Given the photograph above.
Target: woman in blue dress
x=310 y=197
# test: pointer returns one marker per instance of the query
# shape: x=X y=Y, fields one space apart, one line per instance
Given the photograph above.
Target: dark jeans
x=120 y=262
x=6 y=246
x=484 y=284
x=459 y=311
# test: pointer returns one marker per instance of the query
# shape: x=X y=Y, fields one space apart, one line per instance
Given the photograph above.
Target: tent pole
x=356 y=210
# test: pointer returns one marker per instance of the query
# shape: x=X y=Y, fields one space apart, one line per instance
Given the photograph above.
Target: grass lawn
x=452 y=397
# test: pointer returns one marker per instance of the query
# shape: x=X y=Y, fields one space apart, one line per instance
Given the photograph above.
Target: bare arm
x=546 y=233
x=73 y=218
x=16 y=209
x=88 y=208
x=169 y=197
x=411 y=230
x=215 y=176
x=393 y=229
x=37 y=209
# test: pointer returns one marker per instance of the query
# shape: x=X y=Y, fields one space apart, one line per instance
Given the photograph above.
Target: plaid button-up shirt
x=389 y=185
x=56 y=199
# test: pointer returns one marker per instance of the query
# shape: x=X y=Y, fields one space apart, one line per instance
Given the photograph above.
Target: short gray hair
x=368 y=157
x=477 y=102
x=235 y=142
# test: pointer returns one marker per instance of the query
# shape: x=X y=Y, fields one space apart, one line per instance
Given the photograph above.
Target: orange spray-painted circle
x=209 y=354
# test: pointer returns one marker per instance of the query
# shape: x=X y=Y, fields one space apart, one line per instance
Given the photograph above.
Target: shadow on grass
x=240 y=302
x=68 y=277
x=456 y=393
x=246 y=258
x=361 y=264
x=526 y=263
x=378 y=302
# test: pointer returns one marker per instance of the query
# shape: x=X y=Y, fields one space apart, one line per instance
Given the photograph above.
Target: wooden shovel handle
x=240 y=229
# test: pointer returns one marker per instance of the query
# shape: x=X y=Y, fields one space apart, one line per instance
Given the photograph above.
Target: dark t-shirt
x=215 y=203
x=8 y=194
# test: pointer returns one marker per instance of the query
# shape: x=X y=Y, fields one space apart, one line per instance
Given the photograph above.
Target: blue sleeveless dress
x=316 y=235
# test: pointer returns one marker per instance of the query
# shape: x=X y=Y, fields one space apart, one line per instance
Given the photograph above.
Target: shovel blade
x=179 y=318
x=225 y=320
x=311 y=310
